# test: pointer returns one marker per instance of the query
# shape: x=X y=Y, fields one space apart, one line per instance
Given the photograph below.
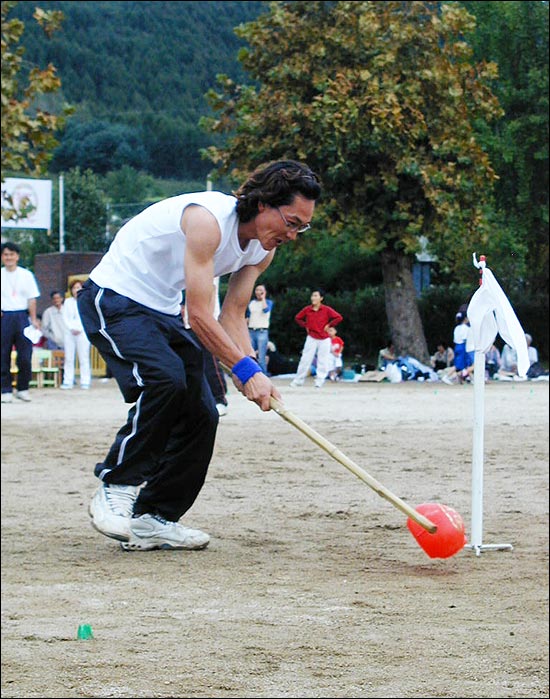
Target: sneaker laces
x=120 y=499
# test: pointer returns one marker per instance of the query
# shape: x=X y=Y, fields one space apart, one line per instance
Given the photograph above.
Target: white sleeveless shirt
x=145 y=259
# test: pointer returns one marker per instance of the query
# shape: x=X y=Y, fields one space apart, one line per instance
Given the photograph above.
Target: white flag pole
x=476 y=535
x=61 y=214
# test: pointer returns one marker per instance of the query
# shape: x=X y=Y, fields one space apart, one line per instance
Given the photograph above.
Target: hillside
x=144 y=64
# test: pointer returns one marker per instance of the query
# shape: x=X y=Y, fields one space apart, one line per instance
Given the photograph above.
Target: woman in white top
x=76 y=342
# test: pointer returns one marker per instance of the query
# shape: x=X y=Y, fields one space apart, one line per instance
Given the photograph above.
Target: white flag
x=489 y=313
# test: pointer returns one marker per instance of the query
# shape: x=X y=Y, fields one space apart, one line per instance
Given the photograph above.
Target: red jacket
x=315 y=321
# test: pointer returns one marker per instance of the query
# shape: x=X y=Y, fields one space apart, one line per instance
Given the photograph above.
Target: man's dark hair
x=320 y=291
x=10 y=246
x=276 y=184
x=54 y=292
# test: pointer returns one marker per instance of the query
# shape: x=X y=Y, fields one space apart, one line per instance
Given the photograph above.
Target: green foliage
x=28 y=131
x=320 y=259
x=381 y=102
x=100 y=146
x=84 y=212
x=515 y=35
x=145 y=65
x=128 y=185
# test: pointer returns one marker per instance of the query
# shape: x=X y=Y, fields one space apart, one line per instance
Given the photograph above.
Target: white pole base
x=478 y=548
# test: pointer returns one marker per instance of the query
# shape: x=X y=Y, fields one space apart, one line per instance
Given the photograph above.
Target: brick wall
x=52 y=271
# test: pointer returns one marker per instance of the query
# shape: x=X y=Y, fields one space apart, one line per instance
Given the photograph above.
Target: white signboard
x=32 y=196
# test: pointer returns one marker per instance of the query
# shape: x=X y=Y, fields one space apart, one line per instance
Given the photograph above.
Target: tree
x=100 y=146
x=84 y=212
x=27 y=129
x=380 y=98
x=515 y=35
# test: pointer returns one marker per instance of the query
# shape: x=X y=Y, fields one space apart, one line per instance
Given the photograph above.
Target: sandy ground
x=312 y=585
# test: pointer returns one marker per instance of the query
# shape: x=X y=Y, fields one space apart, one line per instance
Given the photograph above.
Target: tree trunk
x=406 y=329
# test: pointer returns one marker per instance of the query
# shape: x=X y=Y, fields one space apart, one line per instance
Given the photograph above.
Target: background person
x=443 y=357
x=212 y=368
x=19 y=293
x=258 y=313
x=386 y=356
x=508 y=364
x=53 y=325
x=492 y=362
x=463 y=349
x=531 y=351
x=336 y=354
x=76 y=342
x=316 y=319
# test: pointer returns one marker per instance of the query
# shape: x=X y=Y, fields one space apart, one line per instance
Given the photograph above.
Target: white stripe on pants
x=313 y=347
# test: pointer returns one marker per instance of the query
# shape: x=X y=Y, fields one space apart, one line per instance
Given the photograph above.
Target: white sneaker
x=295 y=384
x=111 y=509
x=222 y=409
x=149 y=532
x=66 y=387
x=24 y=396
x=7 y=397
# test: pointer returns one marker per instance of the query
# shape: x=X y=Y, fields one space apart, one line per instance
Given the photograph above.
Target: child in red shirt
x=336 y=352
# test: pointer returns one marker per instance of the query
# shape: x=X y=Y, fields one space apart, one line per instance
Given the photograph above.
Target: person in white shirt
x=131 y=310
x=463 y=348
x=75 y=343
x=53 y=325
x=259 y=316
x=19 y=294
x=532 y=352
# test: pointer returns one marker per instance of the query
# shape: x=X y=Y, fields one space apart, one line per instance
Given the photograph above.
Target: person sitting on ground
x=276 y=362
x=386 y=356
x=531 y=351
x=509 y=364
x=443 y=357
x=492 y=362
x=536 y=370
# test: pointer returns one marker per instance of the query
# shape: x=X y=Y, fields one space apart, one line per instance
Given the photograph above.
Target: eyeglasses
x=298 y=227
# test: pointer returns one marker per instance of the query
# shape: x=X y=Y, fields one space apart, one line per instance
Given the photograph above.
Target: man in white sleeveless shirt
x=130 y=309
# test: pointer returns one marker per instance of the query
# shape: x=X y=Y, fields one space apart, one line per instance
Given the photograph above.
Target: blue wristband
x=245 y=369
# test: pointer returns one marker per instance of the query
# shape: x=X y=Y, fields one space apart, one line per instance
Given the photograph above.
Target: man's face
x=316 y=298
x=260 y=292
x=276 y=225
x=10 y=258
x=57 y=300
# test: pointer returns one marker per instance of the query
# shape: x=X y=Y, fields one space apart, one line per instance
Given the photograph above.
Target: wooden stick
x=339 y=456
